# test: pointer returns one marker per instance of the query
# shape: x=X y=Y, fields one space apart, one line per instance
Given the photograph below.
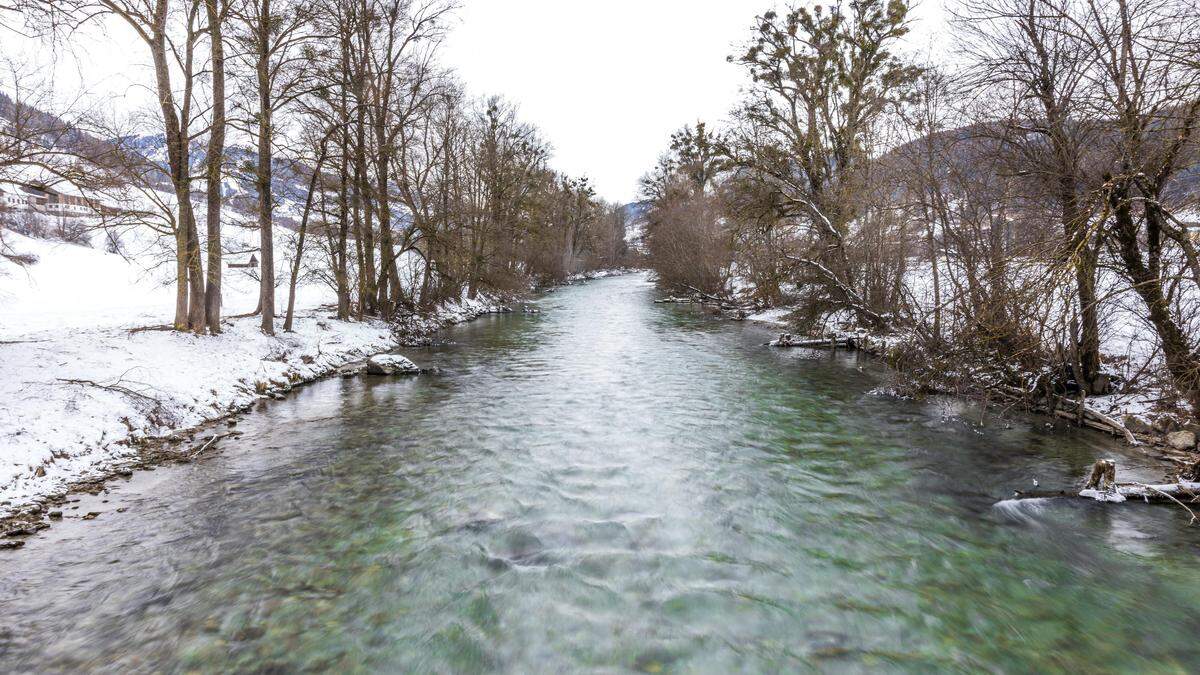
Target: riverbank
x=88 y=405
x=1148 y=417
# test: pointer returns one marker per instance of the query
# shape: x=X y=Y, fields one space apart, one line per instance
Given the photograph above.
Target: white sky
x=607 y=81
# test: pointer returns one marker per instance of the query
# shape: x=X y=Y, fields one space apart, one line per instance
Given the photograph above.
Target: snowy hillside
x=635 y=224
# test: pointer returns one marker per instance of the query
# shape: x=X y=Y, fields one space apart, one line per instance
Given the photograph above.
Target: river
x=612 y=485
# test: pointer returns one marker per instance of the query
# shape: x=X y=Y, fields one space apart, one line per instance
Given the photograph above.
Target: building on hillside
x=45 y=199
x=251 y=264
x=11 y=197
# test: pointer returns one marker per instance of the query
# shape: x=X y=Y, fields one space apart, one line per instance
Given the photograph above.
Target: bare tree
x=271 y=35
x=822 y=82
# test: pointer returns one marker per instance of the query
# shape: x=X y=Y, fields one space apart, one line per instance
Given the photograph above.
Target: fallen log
x=1102 y=486
x=789 y=340
x=707 y=296
x=1069 y=409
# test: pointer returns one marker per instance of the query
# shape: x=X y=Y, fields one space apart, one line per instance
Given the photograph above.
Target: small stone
x=11 y=543
x=91 y=515
x=55 y=515
x=40 y=472
x=1181 y=440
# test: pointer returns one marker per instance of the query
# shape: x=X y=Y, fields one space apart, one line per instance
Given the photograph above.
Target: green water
x=612 y=485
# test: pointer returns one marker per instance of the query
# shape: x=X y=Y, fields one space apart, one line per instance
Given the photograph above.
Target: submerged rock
x=390 y=364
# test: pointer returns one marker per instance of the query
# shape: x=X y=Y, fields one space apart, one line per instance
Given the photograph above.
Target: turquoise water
x=612 y=485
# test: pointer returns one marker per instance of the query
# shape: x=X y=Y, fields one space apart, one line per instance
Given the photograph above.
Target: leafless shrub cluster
x=999 y=214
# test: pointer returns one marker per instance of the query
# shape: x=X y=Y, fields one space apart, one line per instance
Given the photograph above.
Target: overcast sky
x=607 y=81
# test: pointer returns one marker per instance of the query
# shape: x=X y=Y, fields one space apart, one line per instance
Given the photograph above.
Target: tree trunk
x=308 y=201
x=1083 y=251
x=216 y=152
x=265 y=203
x=1181 y=361
x=388 y=279
x=177 y=160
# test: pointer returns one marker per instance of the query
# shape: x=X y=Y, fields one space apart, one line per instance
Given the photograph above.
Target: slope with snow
x=86 y=370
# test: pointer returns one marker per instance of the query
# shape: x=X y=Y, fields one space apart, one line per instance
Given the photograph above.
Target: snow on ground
x=55 y=428
x=79 y=385
x=1129 y=344
x=597 y=274
x=776 y=316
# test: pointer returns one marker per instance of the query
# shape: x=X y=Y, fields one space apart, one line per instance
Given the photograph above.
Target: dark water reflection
x=611 y=485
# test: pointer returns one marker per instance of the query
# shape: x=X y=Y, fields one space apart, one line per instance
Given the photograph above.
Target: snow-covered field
x=78 y=383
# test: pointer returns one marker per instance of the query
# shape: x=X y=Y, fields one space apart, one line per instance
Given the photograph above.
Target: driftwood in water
x=1099 y=421
x=707 y=296
x=789 y=340
x=1102 y=486
x=1069 y=409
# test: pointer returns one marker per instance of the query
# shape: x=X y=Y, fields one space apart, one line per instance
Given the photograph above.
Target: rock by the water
x=390 y=364
x=1166 y=424
x=1138 y=425
x=1182 y=440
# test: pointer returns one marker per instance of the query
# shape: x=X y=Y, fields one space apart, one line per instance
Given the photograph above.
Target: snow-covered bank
x=79 y=401
x=86 y=372
x=599 y=274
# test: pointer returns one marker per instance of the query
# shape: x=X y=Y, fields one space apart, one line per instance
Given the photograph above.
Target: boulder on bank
x=390 y=364
x=1181 y=440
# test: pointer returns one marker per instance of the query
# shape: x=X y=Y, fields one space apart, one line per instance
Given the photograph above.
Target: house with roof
x=48 y=200
x=11 y=197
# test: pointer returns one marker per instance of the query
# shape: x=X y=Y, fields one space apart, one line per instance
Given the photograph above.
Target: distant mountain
x=289 y=181
x=636 y=214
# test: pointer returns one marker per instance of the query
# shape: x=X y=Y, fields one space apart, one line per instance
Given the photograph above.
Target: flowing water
x=612 y=485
